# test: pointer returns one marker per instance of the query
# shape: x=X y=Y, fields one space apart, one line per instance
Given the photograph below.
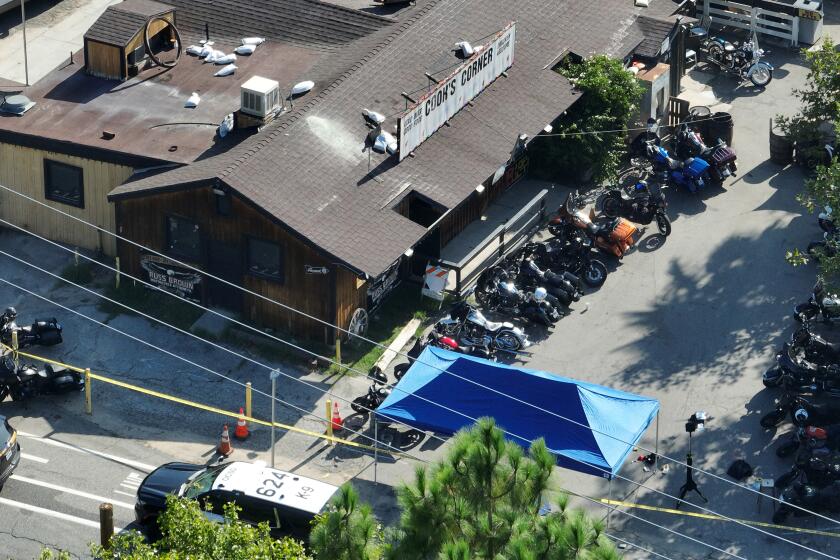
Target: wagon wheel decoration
x=358 y=323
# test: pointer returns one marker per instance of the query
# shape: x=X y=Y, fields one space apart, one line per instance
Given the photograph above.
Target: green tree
x=819 y=113
x=349 y=531
x=480 y=503
x=609 y=98
x=188 y=533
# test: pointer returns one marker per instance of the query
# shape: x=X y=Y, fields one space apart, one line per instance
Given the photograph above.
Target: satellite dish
x=358 y=323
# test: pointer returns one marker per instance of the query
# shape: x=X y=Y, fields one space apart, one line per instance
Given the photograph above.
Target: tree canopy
x=481 y=502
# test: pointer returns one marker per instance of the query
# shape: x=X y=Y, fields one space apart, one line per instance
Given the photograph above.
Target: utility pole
x=25 y=58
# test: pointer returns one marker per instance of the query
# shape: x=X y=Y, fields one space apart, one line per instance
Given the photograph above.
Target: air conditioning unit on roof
x=260 y=96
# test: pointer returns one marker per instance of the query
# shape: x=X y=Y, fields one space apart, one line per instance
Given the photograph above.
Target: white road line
x=125 y=493
x=71 y=491
x=29 y=457
x=50 y=513
x=129 y=486
x=129 y=462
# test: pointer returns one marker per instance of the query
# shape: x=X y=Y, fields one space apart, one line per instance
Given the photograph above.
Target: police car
x=9 y=450
x=286 y=501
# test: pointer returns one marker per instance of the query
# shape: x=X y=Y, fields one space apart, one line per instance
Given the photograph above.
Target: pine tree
x=482 y=502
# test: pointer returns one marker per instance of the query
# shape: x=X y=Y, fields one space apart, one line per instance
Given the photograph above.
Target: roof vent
x=16 y=104
x=260 y=96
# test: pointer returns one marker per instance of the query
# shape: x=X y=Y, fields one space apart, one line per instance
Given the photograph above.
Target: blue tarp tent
x=624 y=416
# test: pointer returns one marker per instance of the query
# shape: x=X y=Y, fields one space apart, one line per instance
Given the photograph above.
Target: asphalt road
x=53 y=497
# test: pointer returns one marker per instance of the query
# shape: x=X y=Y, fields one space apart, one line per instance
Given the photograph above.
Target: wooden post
x=329 y=420
x=338 y=351
x=117 y=281
x=248 y=400
x=88 y=393
x=76 y=257
x=106 y=524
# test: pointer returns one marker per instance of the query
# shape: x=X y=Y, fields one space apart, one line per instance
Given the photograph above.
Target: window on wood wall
x=183 y=238
x=64 y=183
x=265 y=259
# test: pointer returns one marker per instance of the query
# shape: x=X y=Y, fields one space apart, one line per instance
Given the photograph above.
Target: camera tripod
x=690 y=485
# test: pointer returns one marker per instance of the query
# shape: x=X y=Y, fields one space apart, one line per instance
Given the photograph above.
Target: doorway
x=224 y=260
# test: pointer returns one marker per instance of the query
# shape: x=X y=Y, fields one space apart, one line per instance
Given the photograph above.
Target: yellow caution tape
x=719 y=518
x=205 y=407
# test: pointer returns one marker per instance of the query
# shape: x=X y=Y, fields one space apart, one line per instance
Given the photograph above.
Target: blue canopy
x=620 y=418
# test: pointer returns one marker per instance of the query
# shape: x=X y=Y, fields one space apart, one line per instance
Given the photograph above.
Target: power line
x=608 y=473
x=204 y=368
x=306 y=413
x=403 y=354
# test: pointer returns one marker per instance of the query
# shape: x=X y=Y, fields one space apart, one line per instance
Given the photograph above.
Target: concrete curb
x=398 y=343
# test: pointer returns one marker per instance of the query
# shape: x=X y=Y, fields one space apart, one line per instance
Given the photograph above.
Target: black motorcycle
x=27 y=381
x=821 y=306
x=812 y=468
x=43 y=332
x=571 y=251
x=376 y=395
x=795 y=373
x=565 y=287
x=642 y=206
x=814 y=347
x=809 y=498
x=802 y=410
x=741 y=60
x=721 y=158
x=537 y=310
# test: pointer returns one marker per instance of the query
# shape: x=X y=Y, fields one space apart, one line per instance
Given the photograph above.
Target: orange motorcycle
x=611 y=235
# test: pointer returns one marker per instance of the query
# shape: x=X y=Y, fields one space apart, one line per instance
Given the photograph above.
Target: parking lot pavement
x=53 y=497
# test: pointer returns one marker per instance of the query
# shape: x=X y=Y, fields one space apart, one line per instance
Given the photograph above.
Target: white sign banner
x=462 y=86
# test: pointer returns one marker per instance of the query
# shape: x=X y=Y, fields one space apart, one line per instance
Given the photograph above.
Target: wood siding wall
x=22 y=169
x=329 y=297
x=104 y=61
x=157 y=26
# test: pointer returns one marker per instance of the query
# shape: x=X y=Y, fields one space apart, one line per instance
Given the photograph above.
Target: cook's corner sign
x=171 y=276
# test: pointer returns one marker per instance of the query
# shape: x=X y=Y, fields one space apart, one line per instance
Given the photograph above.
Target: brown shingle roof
x=121 y=22
x=310 y=173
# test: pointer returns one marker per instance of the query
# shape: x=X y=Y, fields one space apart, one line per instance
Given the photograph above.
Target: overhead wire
x=411 y=359
x=507 y=432
x=304 y=412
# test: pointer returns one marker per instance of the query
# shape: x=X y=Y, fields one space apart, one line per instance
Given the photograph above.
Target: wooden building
x=115 y=45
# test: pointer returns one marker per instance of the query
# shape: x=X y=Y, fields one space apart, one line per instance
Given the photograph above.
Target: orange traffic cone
x=225 y=448
x=241 y=431
x=337 y=422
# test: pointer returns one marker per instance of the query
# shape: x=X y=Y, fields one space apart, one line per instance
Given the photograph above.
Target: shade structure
x=441 y=393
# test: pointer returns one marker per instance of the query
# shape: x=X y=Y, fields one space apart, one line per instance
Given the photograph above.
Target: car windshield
x=203 y=482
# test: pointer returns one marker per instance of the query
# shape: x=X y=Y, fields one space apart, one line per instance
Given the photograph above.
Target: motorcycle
x=722 y=159
x=811 y=437
x=641 y=206
x=691 y=173
x=376 y=395
x=821 y=306
x=816 y=470
x=538 y=310
x=807 y=497
x=571 y=253
x=27 y=381
x=796 y=374
x=815 y=348
x=565 y=287
x=802 y=411
x=43 y=332
x=470 y=327
x=827 y=247
x=614 y=236
x=825 y=219
x=743 y=61
x=449 y=343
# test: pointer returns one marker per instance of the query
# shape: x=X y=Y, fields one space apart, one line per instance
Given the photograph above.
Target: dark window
x=183 y=238
x=64 y=183
x=265 y=259
x=420 y=209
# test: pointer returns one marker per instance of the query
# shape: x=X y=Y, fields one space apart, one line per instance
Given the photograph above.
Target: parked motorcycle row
x=23 y=381
x=807 y=370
